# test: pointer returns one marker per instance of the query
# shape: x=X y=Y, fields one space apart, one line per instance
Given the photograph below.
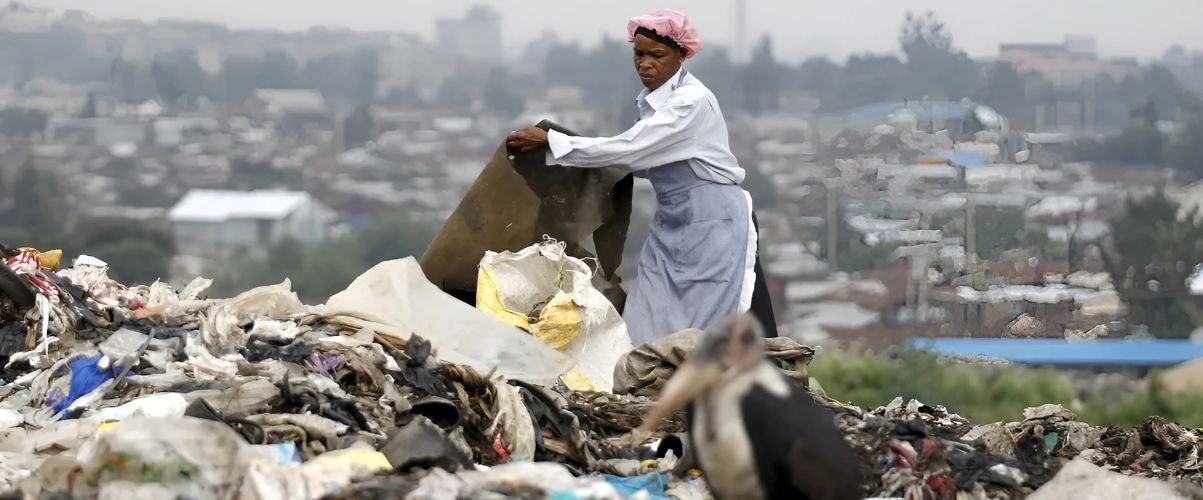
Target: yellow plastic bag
x=48 y=260
x=488 y=299
x=365 y=459
x=559 y=322
x=549 y=294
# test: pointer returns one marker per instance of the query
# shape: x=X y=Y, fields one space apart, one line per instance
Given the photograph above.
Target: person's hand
x=526 y=139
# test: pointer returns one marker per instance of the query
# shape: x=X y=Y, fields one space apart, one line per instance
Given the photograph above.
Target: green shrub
x=988 y=393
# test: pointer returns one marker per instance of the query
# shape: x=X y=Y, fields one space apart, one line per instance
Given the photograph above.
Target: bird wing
x=799 y=452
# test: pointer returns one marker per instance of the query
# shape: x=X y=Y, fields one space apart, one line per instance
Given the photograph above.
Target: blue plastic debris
x=86 y=376
x=968 y=159
x=655 y=484
x=562 y=495
x=287 y=453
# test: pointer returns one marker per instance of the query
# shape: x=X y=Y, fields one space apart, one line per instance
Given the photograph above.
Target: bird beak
x=691 y=380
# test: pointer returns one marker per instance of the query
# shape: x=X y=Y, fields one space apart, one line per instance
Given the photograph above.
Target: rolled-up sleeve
x=663 y=138
x=558 y=144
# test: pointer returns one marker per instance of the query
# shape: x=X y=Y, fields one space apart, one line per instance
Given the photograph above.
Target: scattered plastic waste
x=395 y=388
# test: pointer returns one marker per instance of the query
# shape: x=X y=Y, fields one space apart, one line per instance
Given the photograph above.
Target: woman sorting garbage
x=700 y=262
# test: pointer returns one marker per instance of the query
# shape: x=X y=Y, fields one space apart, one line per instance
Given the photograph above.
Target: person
x=700 y=261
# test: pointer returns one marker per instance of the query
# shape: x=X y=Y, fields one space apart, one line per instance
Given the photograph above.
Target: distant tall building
x=1069 y=63
x=1084 y=46
x=1072 y=66
x=475 y=36
x=20 y=18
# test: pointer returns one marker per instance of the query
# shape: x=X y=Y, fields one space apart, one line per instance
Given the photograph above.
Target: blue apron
x=691 y=268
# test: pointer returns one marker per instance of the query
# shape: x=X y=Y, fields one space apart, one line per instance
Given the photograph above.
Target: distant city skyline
x=800 y=29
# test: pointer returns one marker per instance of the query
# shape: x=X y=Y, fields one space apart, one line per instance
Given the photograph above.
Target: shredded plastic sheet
x=513 y=423
x=226 y=319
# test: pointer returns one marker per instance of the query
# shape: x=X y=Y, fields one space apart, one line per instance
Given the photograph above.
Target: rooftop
x=205 y=205
x=1137 y=353
x=293 y=100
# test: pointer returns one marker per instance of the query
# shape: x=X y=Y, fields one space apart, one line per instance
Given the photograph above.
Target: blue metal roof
x=1056 y=352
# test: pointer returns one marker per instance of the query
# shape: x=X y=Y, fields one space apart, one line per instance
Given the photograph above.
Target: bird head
x=729 y=347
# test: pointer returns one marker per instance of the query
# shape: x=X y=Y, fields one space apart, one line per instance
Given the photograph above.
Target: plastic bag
x=550 y=294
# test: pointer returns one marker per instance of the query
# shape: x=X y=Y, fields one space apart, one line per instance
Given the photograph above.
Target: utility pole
x=920 y=274
x=970 y=226
x=911 y=296
x=832 y=228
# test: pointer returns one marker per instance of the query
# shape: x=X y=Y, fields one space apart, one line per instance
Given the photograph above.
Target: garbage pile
x=394 y=389
x=913 y=450
x=108 y=390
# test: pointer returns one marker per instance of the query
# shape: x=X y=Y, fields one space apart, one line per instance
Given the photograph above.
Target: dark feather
x=799 y=452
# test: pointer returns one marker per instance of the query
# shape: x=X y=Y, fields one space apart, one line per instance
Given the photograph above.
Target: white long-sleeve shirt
x=680 y=121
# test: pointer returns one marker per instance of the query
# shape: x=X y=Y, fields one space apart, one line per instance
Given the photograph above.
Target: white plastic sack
x=394 y=299
x=556 y=290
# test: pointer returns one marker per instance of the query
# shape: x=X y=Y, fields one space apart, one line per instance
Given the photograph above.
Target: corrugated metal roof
x=1057 y=352
x=206 y=205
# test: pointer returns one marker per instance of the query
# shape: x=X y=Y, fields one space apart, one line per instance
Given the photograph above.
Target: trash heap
x=393 y=389
x=149 y=391
x=913 y=450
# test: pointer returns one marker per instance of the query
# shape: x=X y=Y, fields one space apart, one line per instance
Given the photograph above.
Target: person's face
x=656 y=62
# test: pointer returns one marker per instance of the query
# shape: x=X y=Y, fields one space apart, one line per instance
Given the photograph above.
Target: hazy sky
x=1141 y=28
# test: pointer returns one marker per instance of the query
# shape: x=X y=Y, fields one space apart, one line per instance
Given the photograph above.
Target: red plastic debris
x=500 y=449
x=943 y=486
x=906 y=459
x=929 y=448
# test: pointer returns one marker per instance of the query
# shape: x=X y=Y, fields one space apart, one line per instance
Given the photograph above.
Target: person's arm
x=663 y=138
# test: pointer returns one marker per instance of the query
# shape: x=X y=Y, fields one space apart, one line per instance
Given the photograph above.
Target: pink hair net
x=670 y=23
